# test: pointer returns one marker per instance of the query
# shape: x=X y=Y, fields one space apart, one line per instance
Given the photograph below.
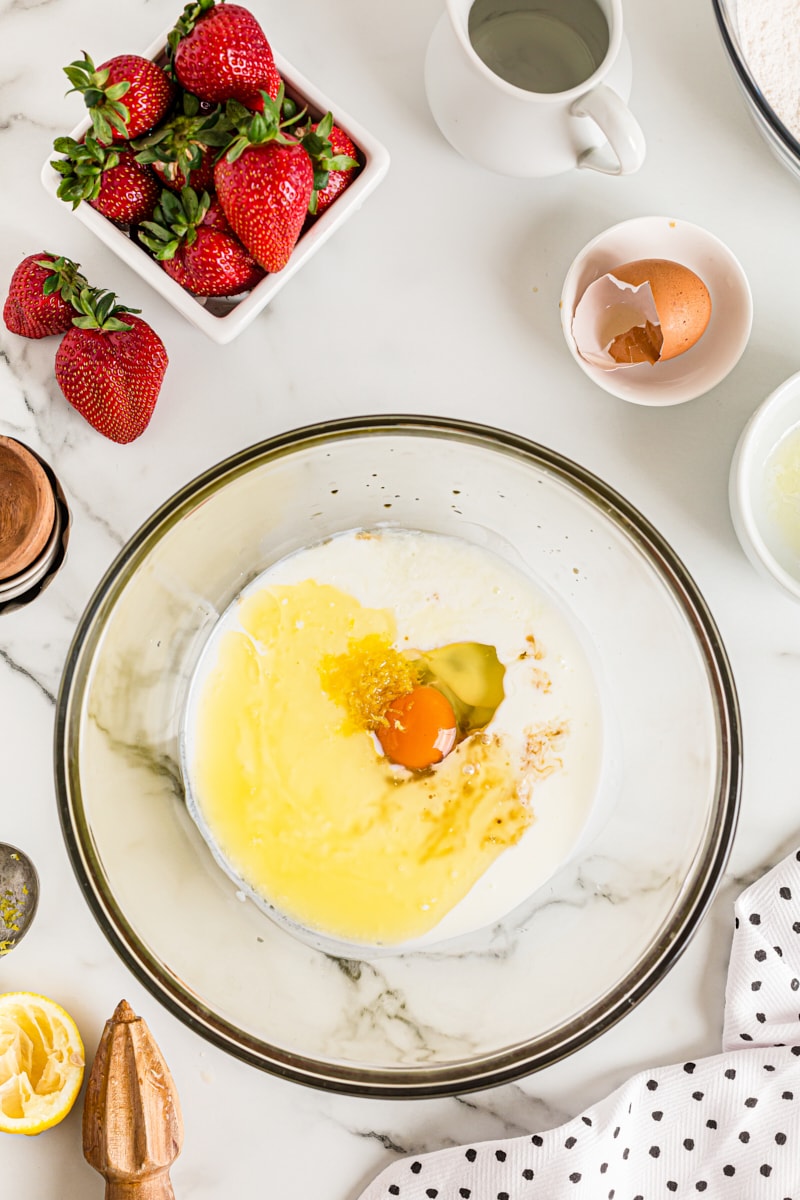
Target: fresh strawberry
x=215 y=217
x=205 y=260
x=264 y=182
x=181 y=151
x=110 y=180
x=110 y=366
x=173 y=176
x=335 y=162
x=265 y=195
x=126 y=96
x=40 y=294
x=220 y=52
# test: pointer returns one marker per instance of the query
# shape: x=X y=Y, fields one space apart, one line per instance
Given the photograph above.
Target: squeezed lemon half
x=41 y=1063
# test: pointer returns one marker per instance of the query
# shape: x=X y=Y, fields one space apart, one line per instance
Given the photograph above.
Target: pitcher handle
x=621 y=128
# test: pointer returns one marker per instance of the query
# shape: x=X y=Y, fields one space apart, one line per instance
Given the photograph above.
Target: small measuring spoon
x=19 y=896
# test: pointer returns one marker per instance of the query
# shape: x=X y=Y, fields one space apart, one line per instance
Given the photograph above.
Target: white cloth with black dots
x=728 y=1126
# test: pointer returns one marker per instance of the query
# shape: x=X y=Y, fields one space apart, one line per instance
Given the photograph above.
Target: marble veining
x=14 y=666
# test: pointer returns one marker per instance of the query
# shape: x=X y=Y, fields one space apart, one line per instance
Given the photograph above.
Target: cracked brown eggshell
x=682 y=301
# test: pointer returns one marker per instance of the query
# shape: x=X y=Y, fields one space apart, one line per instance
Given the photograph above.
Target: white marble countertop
x=440 y=296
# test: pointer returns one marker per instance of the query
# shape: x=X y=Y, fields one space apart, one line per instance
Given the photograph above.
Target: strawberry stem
x=103 y=102
x=97 y=309
x=65 y=278
x=175 y=222
x=185 y=138
x=317 y=144
x=82 y=168
x=255 y=129
x=186 y=23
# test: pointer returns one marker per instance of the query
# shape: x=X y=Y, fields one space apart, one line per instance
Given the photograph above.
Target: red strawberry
x=265 y=195
x=39 y=296
x=126 y=95
x=264 y=182
x=335 y=162
x=112 y=181
x=203 y=258
x=128 y=192
x=215 y=218
x=110 y=369
x=216 y=264
x=220 y=52
x=182 y=150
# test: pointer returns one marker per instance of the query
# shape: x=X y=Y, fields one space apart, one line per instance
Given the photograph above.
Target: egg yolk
x=420 y=729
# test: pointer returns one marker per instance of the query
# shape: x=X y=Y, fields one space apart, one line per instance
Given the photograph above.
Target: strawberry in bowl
x=191 y=238
x=267 y=177
x=110 y=180
x=183 y=148
x=220 y=52
x=126 y=96
x=239 y=116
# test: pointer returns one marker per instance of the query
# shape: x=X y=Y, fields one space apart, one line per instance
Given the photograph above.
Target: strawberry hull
x=223 y=319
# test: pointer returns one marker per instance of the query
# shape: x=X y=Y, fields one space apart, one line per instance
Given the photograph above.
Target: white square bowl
x=224 y=318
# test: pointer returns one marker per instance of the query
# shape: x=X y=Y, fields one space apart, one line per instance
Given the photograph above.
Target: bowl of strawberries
x=210 y=165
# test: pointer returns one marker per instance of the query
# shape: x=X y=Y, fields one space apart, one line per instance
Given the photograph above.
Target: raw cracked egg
x=392 y=738
x=647 y=311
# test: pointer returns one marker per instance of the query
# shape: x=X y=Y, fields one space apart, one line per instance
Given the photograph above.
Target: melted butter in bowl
x=299 y=804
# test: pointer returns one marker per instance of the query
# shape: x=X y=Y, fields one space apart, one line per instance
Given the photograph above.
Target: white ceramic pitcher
x=514 y=131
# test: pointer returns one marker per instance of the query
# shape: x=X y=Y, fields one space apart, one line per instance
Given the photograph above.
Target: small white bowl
x=721 y=346
x=752 y=499
x=223 y=319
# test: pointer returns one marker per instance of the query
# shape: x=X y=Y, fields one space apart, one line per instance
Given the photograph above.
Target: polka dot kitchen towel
x=727 y=1126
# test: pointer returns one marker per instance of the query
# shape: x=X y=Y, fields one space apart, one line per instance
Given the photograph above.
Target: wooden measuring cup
x=27 y=508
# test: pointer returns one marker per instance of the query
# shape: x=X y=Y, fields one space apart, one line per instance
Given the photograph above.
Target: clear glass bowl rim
x=752 y=91
x=503 y=1065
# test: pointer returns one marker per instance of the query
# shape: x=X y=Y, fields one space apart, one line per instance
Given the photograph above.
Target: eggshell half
x=681 y=298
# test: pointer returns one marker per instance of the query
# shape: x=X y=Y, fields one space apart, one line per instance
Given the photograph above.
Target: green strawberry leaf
x=315 y=145
x=340 y=162
x=115 y=325
x=190 y=104
x=325 y=126
x=237 y=149
x=257 y=128
x=186 y=23
x=91 y=96
x=111 y=119
x=118 y=90
x=175 y=222
x=97 y=309
x=104 y=307
x=320 y=178
x=64 y=145
x=158 y=241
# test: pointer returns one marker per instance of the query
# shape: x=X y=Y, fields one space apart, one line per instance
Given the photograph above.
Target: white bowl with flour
x=762 y=40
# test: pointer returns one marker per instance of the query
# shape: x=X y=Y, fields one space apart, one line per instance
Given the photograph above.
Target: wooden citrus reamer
x=132 y=1123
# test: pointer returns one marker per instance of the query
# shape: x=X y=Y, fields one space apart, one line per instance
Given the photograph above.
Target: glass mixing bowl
x=783 y=144
x=493 y=1005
